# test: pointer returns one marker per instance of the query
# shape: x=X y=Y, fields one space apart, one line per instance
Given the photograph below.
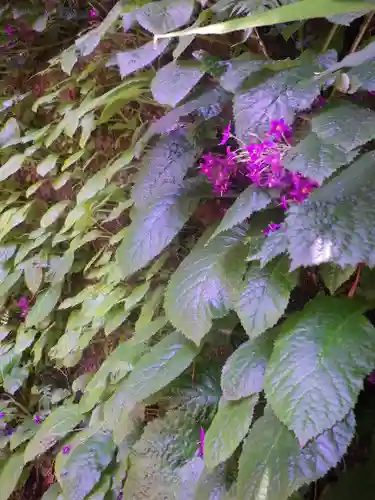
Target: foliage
x=186 y=244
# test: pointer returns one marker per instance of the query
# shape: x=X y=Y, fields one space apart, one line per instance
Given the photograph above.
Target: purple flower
x=279 y=129
x=226 y=135
x=93 y=13
x=66 y=450
x=23 y=304
x=284 y=202
x=2 y=414
x=9 y=30
x=271 y=228
x=38 y=419
x=201 y=443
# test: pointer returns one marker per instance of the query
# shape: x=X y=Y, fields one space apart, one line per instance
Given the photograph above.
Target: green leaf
x=95 y=184
x=88 y=124
x=335 y=223
x=264 y=295
x=334 y=276
x=10 y=474
x=53 y=213
x=118 y=364
x=165 y=15
x=60 y=422
x=315 y=159
x=47 y=164
x=44 y=305
x=80 y=470
x=345 y=126
x=326 y=350
x=33 y=276
x=134 y=60
x=243 y=372
x=230 y=425
x=151 y=230
x=9 y=131
x=251 y=200
x=297 y=11
x=272 y=465
x=173 y=82
x=53 y=493
x=23 y=433
x=238 y=69
x=11 y=166
x=68 y=59
x=15 y=379
x=279 y=96
x=156 y=369
x=164 y=169
x=25 y=337
x=9 y=281
x=200 y=289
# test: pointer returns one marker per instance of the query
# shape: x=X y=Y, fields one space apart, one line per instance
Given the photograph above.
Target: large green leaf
x=80 y=470
x=298 y=11
x=264 y=295
x=251 y=200
x=164 y=446
x=279 y=96
x=134 y=60
x=323 y=352
x=200 y=289
x=11 y=166
x=227 y=430
x=60 y=422
x=164 y=16
x=315 y=159
x=156 y=369
x=10 y=474
x=44 y=305
x=151 y=230
x=272 y=465
x=173 y=82
x=345 y=126
x=336 y=223
x=243 y=372
x=238 y=69
x=164 y=169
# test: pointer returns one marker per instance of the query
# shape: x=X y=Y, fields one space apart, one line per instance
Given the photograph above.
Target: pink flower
x=9 y=30
x=2 y=414
x=226 y=135
x=201 y=443
x=23 y=304
x=93 y=13
x=66 y=450
x=279 y=129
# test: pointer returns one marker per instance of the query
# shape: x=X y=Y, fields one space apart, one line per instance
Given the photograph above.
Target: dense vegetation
x=186 y=249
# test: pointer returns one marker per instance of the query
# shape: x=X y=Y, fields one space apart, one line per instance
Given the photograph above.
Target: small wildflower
x=93 y=13
x=226 y=135
x=38 y=419
x=284 y=203
x=279 y=129
x=201 y=443
x=2 y=414
x=9 y=30
x=271 y=228
x=66 y=450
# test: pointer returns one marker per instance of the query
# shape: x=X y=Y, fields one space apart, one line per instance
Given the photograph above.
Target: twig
x=361 y=33
x=330 y=36
x=356 y=281
x=261 y=44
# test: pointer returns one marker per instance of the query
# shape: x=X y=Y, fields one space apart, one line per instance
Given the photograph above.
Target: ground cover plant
x=187 y=244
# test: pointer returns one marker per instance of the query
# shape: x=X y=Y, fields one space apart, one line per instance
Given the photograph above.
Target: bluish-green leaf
x=272 y=465
x=323 y=352
x=164 y=16
x=243 y=372
x=264 y=295
x=80 y=470
x=133 y=60
x=227 y=430
x=10 y=474
x=200 y=290
x=151 y=230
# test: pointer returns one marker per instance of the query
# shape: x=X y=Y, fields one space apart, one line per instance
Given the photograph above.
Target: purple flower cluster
x=23 y=304
x=261 y=163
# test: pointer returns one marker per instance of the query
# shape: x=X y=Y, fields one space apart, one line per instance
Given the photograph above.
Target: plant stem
x=362 y=32
x=330 y=36
x=261 y=44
